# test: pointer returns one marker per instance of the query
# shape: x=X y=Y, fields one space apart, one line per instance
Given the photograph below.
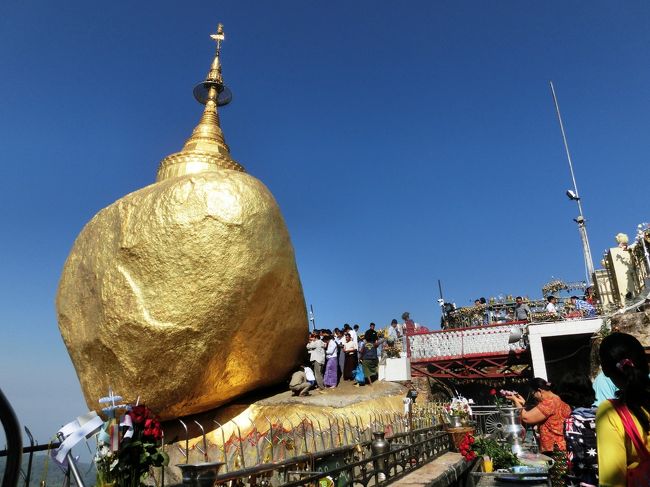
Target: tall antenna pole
x=312 y=318
x=441 y=303
x=575 y=196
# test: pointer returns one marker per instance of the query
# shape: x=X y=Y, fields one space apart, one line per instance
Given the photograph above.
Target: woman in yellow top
x=623 y=360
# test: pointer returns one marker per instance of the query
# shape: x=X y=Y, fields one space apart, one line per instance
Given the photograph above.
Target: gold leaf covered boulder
x=185 y=292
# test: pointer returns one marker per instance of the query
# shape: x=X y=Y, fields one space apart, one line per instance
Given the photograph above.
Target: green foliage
x=501 y=455
x=391 y=350
x=129 y=466
x=135 y=459
x=605 y=329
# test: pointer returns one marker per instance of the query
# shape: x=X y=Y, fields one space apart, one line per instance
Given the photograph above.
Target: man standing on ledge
x=394 y=331
x=316 y=349
x=551 y=306
x=522 y=310
x=371 y=334
x=587 y=310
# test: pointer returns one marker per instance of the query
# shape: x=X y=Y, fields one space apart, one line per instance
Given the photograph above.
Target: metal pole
x=187 y=442
x=589 y=263
x=31 y=456
x=643 y=228
x=162 y=448
x=72 y=465
x=270 y=433
x=311 y=317
x=223 y=443
x=203 y=450
x=14 y=442
x=441 y=302
x=241 y=443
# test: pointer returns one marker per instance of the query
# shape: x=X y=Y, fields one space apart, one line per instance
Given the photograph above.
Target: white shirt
x=394 y=332
x=309 y=374
x=353 y=335
x=316 y=351
x=331 y=349
x=551 y=308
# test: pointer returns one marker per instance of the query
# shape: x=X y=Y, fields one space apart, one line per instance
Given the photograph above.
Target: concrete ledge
x=446 y=470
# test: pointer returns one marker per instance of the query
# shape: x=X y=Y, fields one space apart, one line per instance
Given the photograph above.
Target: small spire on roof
x=206 y=149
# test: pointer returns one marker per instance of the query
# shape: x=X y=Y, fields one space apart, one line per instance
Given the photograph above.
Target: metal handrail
x=14 y=442
x=35 y=448
x=409 y=450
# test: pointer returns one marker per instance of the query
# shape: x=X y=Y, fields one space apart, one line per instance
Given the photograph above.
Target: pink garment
x=410 y=328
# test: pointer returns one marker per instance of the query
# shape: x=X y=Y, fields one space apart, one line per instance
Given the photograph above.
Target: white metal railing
x=462 y=342
x=486 y=418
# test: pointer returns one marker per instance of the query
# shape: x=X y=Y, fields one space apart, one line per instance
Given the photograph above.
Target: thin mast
x=312 y=318
x=589 y=263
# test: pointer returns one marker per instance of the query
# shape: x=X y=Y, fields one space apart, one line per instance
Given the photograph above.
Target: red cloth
x=639 y=476
x=409 y=328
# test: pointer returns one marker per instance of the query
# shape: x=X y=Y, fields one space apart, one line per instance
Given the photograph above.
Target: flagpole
x=575 y=196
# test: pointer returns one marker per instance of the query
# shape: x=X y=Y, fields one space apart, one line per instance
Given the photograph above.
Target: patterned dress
x=551 y=431
x=580 y=435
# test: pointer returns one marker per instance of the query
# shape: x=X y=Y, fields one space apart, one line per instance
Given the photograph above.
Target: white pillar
x=537 y=355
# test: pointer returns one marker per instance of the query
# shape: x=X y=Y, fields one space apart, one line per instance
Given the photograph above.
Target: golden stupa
x=185 y=293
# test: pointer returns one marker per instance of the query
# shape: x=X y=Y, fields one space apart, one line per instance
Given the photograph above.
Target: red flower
x=465 y=447
x=154 y=433
x=493 y=392
x=152 y=429
x=139 y=414
x=468 y=454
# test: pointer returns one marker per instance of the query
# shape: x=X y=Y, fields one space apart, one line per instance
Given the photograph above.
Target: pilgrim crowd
x=498 y=311
x=600 y=429
x=346 y=354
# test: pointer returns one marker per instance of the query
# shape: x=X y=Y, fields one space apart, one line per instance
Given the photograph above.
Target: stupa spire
x=206 y=149
x=215 y=70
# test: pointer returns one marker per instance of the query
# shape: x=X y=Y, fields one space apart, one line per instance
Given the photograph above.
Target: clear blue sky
x=404 y=142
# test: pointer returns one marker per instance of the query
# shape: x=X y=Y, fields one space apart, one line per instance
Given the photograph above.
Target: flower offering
x=501 y=397
x=459 y=406
x=128 y=445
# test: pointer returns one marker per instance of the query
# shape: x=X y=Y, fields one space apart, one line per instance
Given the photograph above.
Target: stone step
x=446 y=470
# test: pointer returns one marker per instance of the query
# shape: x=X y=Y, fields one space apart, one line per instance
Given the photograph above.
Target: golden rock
x=186 y=292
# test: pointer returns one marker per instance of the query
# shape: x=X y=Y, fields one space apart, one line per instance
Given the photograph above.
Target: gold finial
x=215 y=70
x=219 y=36
x=206 y=149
